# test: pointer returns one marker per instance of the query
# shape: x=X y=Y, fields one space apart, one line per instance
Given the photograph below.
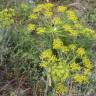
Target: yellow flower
x=65 y=49
x=6 y=17
x=53 y=59
x=74 y=67
x=31 y=27
x=57 y=21
x=41 y=30
x=73 y=33
x=80 y=51
x=48 y=14
x=57 y=44
x=48 y=6
x=46 y=55
x=72 y=46
x=38 y=8
x=80 y=78
x=44 y=64
x=88 y=32
x=71 y=15
x=47 y=59
x=77 y=25
x=61 y=9
x=33 y=16
x=77 y=78
x=87 y=63
x=87 y=72
x=60 y=88
x=60 y=71
x=67 y=27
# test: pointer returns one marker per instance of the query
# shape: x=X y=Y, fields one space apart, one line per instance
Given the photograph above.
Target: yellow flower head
x=72 y=46
x=6 y=17
x=71 y=15
x=38 y=8
x=44 y=64
x=67 y=27
x=57 y=21
x=60 y=88
x=60 y=71
x=53 y=59
x=31 y=27
x=41 y=30
x=80 y=78
x=48 y=6
x=80 y=51
x=88 y=32
x=57 y=44
x=61 y=9
x=74 y=67
x=33 y=16
x=73 y=33
x=48 y=14
x=46 y=55
x=87 y=72
x=87 y=63
x=77 y=25
x=65 y=49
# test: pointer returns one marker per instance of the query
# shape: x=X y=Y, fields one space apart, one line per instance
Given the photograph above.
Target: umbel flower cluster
x=65 y=59
x=6 y=17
